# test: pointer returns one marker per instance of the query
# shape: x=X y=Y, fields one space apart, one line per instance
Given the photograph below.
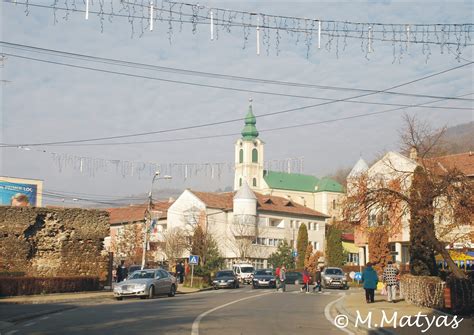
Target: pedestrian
x=317 y=280
x=390 y=279
x=370 y=280
x=121 y=271
x=282 y=278
x=180 y=272
x=277 y=278
x=306 y=280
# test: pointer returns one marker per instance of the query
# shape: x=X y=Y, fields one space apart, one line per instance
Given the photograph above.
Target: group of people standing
x=280 y=276
x=390 y=278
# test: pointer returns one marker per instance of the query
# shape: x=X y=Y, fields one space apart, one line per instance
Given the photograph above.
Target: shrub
x=11 y=286
x=425 y=291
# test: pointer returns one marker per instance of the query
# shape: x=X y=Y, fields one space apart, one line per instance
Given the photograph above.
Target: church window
x=254 y=156
x=254 y=182
x=334 y=204
x=240 y=182
x=241 y=156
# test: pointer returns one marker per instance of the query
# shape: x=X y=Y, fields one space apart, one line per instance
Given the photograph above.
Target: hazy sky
x=46 y=102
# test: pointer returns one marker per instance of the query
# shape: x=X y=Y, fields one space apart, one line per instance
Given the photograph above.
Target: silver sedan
x=146 y=284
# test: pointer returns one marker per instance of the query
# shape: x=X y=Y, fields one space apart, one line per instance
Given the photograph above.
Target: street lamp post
x=148 y=218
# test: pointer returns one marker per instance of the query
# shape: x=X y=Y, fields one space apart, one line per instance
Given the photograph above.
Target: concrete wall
x=53 y=242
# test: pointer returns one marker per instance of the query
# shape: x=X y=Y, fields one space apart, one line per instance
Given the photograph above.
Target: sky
x=44 y=102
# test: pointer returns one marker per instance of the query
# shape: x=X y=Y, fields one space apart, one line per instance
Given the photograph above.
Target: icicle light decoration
x=454 y=37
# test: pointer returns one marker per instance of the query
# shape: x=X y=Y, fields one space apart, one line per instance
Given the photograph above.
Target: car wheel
x=172 y=291
x=216 y=288
x=119 y=298
x=151 y=292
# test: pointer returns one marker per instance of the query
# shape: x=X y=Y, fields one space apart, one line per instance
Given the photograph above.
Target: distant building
x=323 y=195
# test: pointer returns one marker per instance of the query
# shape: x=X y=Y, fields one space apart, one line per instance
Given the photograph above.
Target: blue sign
x=295 y=253
x=193 y=260
x=357 y=276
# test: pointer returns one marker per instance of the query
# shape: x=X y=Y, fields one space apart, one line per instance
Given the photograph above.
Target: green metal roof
x=290 y=181
x=250 y=131
x=300 y=182
x=329 y=185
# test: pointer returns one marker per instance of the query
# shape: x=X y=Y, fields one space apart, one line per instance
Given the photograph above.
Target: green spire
x=250 y=131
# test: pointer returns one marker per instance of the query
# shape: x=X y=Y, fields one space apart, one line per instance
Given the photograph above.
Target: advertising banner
x=20 y=192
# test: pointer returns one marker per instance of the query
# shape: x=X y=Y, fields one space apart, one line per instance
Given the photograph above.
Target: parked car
x=132 y=268
x=244 y=272
x=146 y=284
x=264 y=278
x=294 y=277
x=334 y=277
x=225 y=278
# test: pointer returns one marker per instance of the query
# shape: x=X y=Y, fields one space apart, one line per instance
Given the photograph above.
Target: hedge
x=424 y=291
x=12 y=286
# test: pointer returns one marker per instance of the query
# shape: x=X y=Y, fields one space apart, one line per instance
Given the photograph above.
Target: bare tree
x=175 y=243
x=128 y=242
x=422 y=193
x=244 y=231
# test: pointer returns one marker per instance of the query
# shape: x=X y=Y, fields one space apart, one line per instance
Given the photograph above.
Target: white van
x=244 y=272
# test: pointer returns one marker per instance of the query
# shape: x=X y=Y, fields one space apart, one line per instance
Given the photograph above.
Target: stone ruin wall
x=49 y=242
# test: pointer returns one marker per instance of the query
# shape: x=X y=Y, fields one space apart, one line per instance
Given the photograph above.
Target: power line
x=129 y=64
x=226 y=121
x=261 y=131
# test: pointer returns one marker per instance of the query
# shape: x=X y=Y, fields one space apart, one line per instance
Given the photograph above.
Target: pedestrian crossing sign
x=193 y=259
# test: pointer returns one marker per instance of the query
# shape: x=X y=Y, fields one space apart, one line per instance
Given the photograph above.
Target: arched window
x=241 y=156
x=254 y=182
x=334 y=204
x=254 y=156
x=240 y=182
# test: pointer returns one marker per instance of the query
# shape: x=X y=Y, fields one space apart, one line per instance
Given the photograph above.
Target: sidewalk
x=382 y=317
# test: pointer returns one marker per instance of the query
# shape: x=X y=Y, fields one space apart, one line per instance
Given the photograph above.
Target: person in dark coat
x=317 y=280
x=370 y=279
x=180 y=272
x=122 y=271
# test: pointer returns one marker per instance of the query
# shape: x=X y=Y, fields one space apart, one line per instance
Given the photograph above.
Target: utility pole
x=148 y=217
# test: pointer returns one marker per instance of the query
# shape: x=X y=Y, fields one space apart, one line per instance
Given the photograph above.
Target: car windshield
x=224 y=274
x=246 y=269
x=333 y=271
x=263 y=272
x=142 y=275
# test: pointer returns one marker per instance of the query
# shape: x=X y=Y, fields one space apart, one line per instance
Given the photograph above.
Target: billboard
x=20 y=192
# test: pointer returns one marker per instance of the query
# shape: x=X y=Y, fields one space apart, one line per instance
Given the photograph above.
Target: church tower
x=249 y=155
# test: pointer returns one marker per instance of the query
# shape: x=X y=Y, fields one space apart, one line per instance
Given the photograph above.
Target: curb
x=340 y=309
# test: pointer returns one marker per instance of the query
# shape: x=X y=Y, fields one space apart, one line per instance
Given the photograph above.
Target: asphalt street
x=227 y=311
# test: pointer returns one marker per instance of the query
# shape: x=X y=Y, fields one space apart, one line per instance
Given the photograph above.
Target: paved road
x=240 y=311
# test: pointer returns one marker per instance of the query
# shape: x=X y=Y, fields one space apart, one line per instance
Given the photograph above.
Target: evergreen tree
x=301 y=244
x=334 y=249
x=283 y=255
x=199 y=244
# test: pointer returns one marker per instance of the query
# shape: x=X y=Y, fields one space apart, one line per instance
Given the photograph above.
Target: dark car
x=263 y=278
x=132 y=268
x=225 y=278
x=293 y=276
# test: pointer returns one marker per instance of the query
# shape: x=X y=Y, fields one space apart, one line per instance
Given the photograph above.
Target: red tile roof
x=136 y=212
x=224 y=201
x=463 y=162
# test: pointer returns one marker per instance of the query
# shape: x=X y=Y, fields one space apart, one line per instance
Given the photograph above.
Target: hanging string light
x=399 y=36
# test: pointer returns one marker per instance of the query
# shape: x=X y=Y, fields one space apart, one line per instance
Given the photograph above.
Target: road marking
x=11 y=332
x=328 y=316
x=44 y=318
x=29 y=324
x=195 y=327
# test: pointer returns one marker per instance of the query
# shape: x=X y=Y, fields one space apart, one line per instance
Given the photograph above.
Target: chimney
x=413 y=153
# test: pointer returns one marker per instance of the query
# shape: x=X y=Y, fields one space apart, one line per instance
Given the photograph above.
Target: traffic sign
x=358 y=276
x=352 y=274
x=193 y=259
